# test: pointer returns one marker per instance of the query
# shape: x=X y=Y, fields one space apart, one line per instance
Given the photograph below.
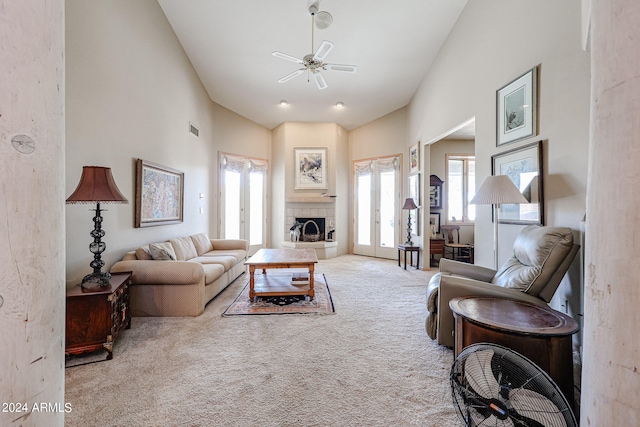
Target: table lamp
x=97 y=186
x=409 y=205
x=497 y=190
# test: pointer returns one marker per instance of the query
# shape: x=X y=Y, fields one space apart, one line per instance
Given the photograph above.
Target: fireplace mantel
x=310 y=199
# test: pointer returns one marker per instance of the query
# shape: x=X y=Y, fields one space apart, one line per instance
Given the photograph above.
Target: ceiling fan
x=313 y=62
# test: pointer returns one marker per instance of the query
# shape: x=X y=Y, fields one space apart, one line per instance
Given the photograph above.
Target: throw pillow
x=143 y=252
x=162 y=251
x=202 y=243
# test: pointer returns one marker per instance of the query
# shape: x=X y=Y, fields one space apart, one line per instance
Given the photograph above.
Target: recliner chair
x=541 y=257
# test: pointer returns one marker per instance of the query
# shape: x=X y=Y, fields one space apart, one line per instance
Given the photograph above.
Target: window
x=461 y=187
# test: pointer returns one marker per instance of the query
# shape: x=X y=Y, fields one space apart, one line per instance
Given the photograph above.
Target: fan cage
x=515 y=401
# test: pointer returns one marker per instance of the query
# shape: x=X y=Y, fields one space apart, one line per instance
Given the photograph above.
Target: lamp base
x=96 y=278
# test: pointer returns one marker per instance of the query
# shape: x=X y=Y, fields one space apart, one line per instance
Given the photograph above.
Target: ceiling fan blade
x=323 y=50
x=287 y=57
x=320 y=81
x=342 y=67
x=290 y=76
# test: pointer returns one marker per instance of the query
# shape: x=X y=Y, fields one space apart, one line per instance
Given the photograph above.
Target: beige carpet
x=370 y=364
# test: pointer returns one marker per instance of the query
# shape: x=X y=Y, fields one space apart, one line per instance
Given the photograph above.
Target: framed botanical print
x=414 y=158
x=524 y=167
x=310 y=168
x=517 y=108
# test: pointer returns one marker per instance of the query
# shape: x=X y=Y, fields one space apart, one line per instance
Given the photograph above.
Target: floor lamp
x=497 y=190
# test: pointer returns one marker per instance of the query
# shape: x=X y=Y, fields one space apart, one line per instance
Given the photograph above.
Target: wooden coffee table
x=280 y=284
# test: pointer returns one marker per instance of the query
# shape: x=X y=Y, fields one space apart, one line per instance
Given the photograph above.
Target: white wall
x=131 y=93
x=31 y=212
x=488 y=47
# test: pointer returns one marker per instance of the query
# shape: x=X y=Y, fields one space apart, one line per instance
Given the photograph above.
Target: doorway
x=243 y=195
x=376 y=207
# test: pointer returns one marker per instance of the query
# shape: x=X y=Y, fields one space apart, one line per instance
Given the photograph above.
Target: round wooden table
x=538 y=332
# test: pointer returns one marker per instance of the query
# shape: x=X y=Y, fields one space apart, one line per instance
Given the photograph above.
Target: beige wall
x=131 y=93
x=32 y=213
x=487 y=48
x=286 y=138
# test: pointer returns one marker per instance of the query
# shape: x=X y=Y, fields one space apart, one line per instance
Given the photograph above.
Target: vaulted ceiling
x=230 y=44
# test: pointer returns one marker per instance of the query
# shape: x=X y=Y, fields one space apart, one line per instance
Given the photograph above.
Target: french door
x=243 y=188
x=376 y=207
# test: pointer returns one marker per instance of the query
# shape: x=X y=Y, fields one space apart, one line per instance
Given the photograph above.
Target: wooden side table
x=411 y=250
x=537 y=332
x=97 y=316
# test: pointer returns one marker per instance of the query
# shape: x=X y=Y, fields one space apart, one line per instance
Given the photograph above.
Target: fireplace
x=313 y=229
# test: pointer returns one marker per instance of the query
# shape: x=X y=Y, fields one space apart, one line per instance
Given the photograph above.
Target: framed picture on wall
x=517 y=108
x=310 y=168
x=414 y=158
x=434 y=223
x=524 y=167
x=159 y=195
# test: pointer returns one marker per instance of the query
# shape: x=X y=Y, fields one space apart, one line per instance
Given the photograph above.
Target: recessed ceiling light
x=284 y=103
x=339 y=104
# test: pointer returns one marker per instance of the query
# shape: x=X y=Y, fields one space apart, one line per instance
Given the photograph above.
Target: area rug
x=321 y=304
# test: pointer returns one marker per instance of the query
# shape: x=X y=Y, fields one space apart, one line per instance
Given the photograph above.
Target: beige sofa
x=180 y=276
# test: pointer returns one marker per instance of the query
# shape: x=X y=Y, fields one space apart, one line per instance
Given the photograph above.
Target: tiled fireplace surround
x=311 y=208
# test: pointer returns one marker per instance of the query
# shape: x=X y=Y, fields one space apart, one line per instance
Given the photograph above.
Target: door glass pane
x=387 y=208
x=364 y=209
x=471 y=182
x=232 y=205
x=256 y=189
x=456 y=182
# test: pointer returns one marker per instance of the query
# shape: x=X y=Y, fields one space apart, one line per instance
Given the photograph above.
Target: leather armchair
x=541 y=257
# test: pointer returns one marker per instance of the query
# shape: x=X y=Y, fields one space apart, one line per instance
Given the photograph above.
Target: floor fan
x=496 y=386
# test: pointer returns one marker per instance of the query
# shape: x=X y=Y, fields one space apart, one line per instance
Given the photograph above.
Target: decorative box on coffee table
x=96 y=316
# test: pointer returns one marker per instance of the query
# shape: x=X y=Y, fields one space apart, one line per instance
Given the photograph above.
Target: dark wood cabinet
x=97 y=316
x=436 y=247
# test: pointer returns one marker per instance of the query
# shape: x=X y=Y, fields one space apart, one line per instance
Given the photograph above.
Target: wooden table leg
x=311 y=281
x=252 y=283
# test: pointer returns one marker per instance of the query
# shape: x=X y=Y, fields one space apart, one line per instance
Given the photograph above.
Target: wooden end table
x=411 y=249
x=278 y=285
x=96 y=316
x=538 y=332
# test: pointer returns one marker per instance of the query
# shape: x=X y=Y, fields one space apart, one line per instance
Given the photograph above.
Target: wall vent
x=193 y=130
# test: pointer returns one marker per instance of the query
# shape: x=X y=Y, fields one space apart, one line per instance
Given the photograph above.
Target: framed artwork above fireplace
x=310 y=165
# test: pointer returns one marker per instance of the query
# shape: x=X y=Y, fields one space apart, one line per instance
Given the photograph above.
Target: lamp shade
x=97 y=185
x=497 y=190
x=409 y=204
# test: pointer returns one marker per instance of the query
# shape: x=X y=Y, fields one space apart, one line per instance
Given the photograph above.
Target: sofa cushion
x=202 y=243
x=212 y=272
x=537 y=253
x=227 y=261
x=184 y=248
x=162 y=251
x=143 y=252
x=238 y=254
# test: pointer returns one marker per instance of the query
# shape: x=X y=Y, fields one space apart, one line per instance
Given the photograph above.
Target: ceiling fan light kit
x=313 y=62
